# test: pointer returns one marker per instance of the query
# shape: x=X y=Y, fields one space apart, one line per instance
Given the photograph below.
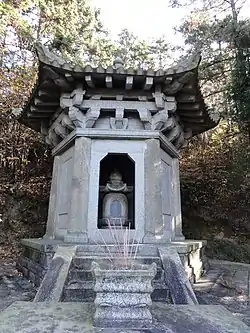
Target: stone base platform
x=38 y=253
x=27 y=317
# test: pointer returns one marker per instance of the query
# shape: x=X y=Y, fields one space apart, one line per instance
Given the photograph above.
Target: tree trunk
x=248 y=130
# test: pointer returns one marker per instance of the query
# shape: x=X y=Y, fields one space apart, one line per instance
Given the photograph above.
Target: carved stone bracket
x=77 y=96
x=66 y=122
x=159 y=97
x=170 y=104
x=76 y=116
x=159 y=120
x=159 y=100
x=52 y=138
x=91 y=116
x=61 y=130
x=169 y=124
x=118 y=123
x=145 y=117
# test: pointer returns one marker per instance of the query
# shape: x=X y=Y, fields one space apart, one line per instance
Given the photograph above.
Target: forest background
x=215 y=167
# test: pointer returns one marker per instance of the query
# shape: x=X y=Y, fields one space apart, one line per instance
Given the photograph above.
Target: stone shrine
x=116 y=134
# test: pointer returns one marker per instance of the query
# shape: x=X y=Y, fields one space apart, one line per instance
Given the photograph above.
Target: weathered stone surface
x=79 y=192
x=13 y=287
x=226 y=283
x=176 y=278
x=23 y=317
x=123 y=296
x=51 y=288
x=153 y=201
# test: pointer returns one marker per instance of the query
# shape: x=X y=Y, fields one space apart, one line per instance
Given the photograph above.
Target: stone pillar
x=51 y=221
x=154 y=227
x=78 y=227
x=178 y=235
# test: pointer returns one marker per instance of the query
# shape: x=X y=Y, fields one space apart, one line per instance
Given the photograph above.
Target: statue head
x=115 y=178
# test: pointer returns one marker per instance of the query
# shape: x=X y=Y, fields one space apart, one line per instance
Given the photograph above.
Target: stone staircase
x=80 y=282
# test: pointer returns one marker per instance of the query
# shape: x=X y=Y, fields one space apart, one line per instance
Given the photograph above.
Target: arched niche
x=122 y=197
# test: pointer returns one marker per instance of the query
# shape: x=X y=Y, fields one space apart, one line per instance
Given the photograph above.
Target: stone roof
x=57 y=76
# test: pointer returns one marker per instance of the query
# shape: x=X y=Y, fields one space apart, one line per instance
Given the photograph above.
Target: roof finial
x=118 y=63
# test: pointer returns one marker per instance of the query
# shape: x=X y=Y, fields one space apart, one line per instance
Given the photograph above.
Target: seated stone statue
x=115 y=203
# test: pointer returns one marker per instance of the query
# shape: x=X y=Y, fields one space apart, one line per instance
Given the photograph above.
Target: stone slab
x=226 y=283
x=51 y=288
x=26 y=317
x=176 y=278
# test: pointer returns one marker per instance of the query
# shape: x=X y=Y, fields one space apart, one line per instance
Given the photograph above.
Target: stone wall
x=38 y=254
x=34 y=261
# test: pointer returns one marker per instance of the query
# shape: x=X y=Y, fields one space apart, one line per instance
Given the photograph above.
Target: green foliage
x=224 y=42
x=138 y=53
x=133 y=52
x=239 y=87
x=215 y=182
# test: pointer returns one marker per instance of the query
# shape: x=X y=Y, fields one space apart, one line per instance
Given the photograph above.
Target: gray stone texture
x=79 y=284
x=153 y=201
x=50 y=228
x=23 y=317
x=177 y=235
x=77 y=230
x=176 y=278
x=135 y=150
x=226 y=283
x=51 y=288
x=35 y=259
x=13 y=286
x=123 y=296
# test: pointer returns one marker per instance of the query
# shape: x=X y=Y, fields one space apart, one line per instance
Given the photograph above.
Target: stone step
x=77 y=274
x=72 y=285
x=75 y=293
x=83 y=292
x=84 y=262
x=143 y=249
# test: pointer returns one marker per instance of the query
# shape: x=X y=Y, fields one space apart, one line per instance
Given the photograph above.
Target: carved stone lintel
x=145 y=117
x=159 y=119
x=76 y=116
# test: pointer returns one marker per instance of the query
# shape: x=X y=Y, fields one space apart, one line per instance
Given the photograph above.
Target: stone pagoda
x=116 y=134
